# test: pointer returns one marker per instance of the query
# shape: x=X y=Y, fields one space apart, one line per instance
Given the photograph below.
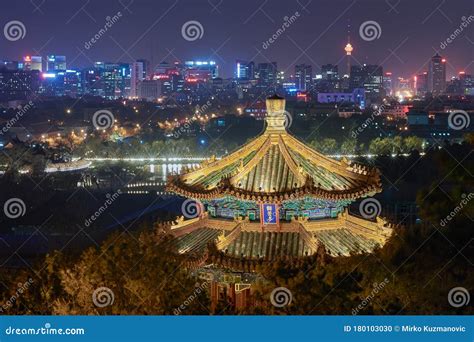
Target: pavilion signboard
x=269 y=215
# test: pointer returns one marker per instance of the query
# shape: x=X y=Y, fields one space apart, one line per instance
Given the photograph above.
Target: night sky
x=412 y=29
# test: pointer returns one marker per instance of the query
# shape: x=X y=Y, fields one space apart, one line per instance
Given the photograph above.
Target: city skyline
x=244 y=31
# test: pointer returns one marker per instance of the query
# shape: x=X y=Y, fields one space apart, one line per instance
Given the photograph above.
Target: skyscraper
x=244 y=70
x=146 y=67
x=267 y=74
x=421 y=86
x=33 y=63
x=56 y=63
x=388 y=83
x=437 y=75
x=369 y=77
x=303 y=76
x=135 y=78
x=201 y=67
x=329 y=72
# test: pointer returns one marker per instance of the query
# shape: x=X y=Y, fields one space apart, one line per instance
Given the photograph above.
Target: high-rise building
x=92 y=81
x=9 y=65
x=388 y=83
x=56 y=63
x=135 y=78
x=146 y=68
x=149 y=90
x=303 y=76
x=437 y=75
x=115 y=79
x=62 y=83
x=467 y=83
x=18 y=84
x=369 y=77
x=33 y=63
x=267 y=74
x=244 y=70
x=201 y=67
x=421 y=83
x=329 y=72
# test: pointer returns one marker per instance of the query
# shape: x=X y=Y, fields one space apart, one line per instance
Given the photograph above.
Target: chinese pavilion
x=274 y=198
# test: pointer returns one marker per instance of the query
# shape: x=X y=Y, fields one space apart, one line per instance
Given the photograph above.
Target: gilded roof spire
x=275 y=114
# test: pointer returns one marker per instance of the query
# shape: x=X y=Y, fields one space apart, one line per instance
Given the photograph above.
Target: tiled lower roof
x=344 y=242
x=196 y=241
x=268 y=245
x=273 y=245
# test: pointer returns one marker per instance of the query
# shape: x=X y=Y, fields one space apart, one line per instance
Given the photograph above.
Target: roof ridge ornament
x=276 y=115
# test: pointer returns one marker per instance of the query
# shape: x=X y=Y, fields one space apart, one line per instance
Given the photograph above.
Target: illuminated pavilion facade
x=274 y=198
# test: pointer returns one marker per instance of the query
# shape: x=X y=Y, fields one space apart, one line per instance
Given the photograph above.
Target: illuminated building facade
x=303 y=76
x=33 y=63
x=55 y=62
x=244 y=70
x=437 y=75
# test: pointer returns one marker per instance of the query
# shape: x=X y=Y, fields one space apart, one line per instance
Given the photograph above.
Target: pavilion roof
x=276 y=167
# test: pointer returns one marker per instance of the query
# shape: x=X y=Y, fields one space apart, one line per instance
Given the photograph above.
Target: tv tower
x=348 y=49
